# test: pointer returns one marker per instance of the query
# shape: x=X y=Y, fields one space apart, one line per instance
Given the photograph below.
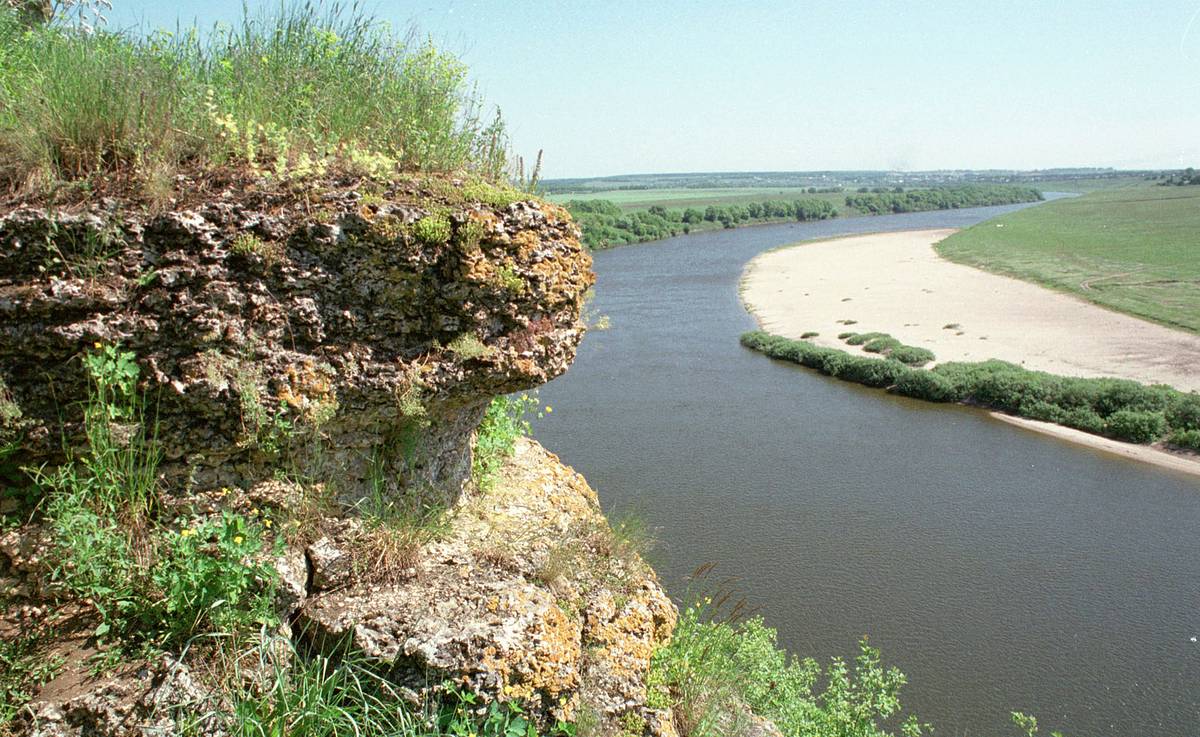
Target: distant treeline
x=604 y=224
x=941 y=198
x=1180 y=179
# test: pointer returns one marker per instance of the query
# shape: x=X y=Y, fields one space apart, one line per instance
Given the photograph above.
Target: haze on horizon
x=631 y=87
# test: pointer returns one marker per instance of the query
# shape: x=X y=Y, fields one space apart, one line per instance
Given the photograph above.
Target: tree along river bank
x=1000 y=569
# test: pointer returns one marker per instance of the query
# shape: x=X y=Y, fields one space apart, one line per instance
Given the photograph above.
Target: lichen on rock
x=309 y=329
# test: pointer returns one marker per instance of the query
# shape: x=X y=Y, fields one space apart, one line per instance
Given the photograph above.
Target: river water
x=999 y=569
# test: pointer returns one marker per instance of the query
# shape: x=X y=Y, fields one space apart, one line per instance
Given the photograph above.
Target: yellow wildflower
x=549 y=408
x=97 y=345
x=187 y=532
x=237 y=539
x=267 y=523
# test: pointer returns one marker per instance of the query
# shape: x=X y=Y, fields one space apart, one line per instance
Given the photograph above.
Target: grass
x=502 y=424
x=1117 y=408
x=296 y=92
x=1129 y=249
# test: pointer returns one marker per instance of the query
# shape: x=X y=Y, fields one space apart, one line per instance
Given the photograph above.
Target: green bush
x=1183 y=411
x=1136 y=426
x=881 y=345
x=1119 y=408
x=1186 y=439
x=711 y=672
x=911 y=355
x=920 y=384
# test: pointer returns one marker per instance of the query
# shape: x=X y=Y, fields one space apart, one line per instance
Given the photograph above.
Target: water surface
x=1000 y=569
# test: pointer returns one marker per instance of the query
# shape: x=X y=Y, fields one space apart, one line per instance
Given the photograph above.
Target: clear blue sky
x=669 y=85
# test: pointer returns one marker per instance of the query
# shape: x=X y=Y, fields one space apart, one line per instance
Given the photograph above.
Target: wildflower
x=97 y=345
x=237 y=539
x=187 y=532
x=253 y=511
x=267 y=523
x=549 y=408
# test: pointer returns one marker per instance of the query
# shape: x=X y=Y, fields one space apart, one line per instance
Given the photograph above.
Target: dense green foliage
x=1117 y=408
x=886 y=345
x=941 y=198
x=292 y=93
x=713 y=672
x=1131 y=249
x=149 y=579
x=605 y=224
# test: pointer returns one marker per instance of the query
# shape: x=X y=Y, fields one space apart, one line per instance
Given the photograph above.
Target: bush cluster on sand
x=1116 y=408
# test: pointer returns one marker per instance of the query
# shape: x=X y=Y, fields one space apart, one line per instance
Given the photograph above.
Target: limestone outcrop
x=340 y=329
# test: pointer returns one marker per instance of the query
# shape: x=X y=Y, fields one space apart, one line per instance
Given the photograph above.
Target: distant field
x=641 y=199
x=1134 y=249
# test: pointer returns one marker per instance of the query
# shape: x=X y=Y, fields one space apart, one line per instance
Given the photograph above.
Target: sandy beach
x=896 y=283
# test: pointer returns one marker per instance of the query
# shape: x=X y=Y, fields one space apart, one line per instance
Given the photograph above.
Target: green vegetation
x=636 y=216
x=1130 y=249
x=295 y=93
x=150 y=579
x=942 y=198
x=1185 y=178
x=716 y=673
x=503 y=422
x=886 y=345
x=1117 y=408
x=604 y=224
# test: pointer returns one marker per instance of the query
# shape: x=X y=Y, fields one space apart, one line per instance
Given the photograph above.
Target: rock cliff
x=302 y=351
x=373 y=321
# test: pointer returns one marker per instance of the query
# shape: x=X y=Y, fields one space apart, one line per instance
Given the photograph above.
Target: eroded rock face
x=527 y=598
x=347 y=336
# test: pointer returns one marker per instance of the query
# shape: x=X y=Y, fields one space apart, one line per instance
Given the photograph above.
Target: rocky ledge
x=343 y=330
x=528 y=596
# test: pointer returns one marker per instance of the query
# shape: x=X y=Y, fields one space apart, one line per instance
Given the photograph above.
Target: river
x=999 y=569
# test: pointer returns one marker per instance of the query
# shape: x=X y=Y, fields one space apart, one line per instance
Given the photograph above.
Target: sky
x=626 y=87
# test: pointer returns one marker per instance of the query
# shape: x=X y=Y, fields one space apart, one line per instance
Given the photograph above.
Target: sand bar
x=896 y=283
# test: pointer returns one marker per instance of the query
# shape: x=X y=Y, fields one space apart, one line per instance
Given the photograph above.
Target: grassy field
x=1132 y=249
x=641 y=199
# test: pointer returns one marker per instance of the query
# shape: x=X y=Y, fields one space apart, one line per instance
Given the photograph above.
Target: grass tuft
x=290 y=93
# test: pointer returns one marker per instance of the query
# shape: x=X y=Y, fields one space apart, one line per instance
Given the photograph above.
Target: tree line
x=940 y=198
x=1180 y=179
x=604 y=224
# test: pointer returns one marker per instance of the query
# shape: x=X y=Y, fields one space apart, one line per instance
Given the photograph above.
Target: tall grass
x=297 y=90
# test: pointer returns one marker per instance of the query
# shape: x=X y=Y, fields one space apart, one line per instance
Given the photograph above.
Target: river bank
x=901 y=286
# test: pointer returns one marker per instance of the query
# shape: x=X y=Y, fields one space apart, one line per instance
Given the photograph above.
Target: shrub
x=881 y=345
x=873 y=372
x=1183 y=412
x=1186 y=439
x=861 y=338
x=911 y=355
x=712 y=672
x=926 y=385
x=1083 y=418
x=1136 y=426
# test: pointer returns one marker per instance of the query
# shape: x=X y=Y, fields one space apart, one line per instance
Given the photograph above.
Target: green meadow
x=1132 y=249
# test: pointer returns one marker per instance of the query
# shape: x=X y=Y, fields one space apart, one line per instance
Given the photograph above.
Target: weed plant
x=716 y=673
